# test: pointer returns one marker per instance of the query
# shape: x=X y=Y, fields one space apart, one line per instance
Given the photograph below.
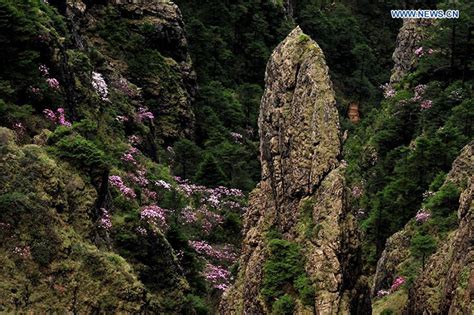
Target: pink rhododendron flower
x=143 y=113
x=134 y=139
x=116 y=181
x=44 y=70
x=224 y=253
x=104 y=221
x=155 y=215
x=381 y=293
x=163 y=184
x=388 y=90
x=53 y=83
x=399 y=281
x=217 y=276
x=100 y=86
x=129 y=156
x=35 y=90
x=188 y=215
x=141 y=230
x=426 y=104
x=22 y=251
x=237 y=137
x=121 y=118
x=419 y=52
x=357 y=191
x=58 y=117
x=139 y=178
x=422 y=216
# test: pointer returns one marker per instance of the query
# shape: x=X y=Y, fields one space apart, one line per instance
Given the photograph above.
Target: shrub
x=445 y=201
x=82 y=152
x=283 y=270
x=422 y=246
x=285 y=305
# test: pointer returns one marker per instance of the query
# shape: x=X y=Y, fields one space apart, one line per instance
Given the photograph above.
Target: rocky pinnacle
x=300 y=149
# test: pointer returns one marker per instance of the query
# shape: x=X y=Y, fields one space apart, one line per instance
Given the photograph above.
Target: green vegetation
x=75 y=241
x=285 y=305
x=284 y=275
x=422 y=246
x=398 y=151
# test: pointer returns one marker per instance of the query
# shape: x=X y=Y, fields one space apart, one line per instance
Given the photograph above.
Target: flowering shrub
x=426 y=104
x=123 y=86
x=121 y=118
x=44 y=70
x=218 y=276
x=141 y=230
x=419 y=91
x=22 y=251
x=19 y=129
x=419 y=52
x=104 y=221
x=129 y=156
x=203 y=248
x=237 y=137
x=116 y=181
x=162 y=184
x=427 y=194
x=133 y=140
x=58 y=118
x=53 y=83
x=388 y=90
x=154 y=215
x=100 y=86
x=382 y=293
x=422 y=216
x=143 y=114
x=397 y=283
x=188 y=215
x=357 y=191
x=139 y=178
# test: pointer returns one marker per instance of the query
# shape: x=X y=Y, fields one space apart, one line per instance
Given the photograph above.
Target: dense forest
x=139 y=170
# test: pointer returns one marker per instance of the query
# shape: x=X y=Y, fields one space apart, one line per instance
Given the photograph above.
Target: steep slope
x=300 y=245
x=49 y=263
x=72 y=196
x=444 y=285
x=142 y=42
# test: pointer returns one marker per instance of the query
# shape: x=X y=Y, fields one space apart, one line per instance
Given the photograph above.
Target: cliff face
x=408 y=40
x=301 y=197
x=447 y=284
x=141 y=45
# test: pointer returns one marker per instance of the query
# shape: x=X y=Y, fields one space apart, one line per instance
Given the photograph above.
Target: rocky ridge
x=411 y=34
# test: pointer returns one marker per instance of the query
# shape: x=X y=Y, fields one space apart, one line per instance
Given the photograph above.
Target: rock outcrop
x=141 y=44
x=447 y=284
x=408 y=40
x=302 y=192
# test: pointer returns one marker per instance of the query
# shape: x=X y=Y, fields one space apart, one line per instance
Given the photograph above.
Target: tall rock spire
x=301 y=196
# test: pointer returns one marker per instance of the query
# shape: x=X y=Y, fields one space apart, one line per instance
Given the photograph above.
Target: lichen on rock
x=409 y=38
